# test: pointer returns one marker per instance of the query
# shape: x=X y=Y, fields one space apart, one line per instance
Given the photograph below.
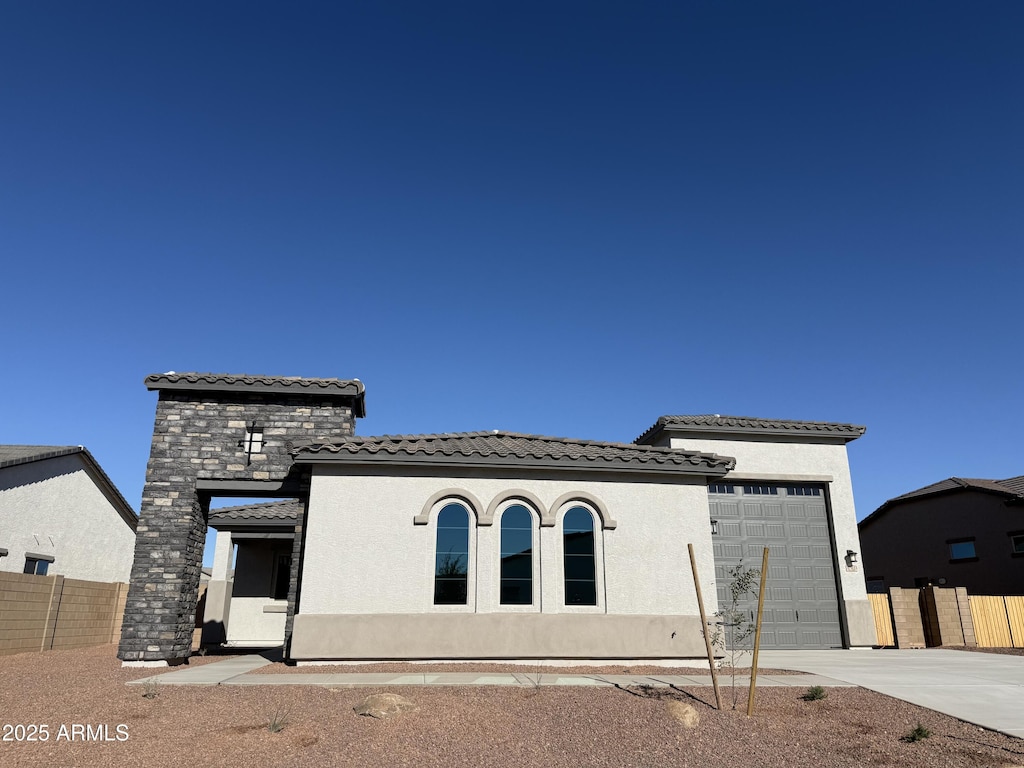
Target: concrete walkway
x=237 y=671
x=986 y=689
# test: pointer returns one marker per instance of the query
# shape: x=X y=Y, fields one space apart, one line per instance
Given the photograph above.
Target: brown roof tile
x=718 y=424
x=515 y=449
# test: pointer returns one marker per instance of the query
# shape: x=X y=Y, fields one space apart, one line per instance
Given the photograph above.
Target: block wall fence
x=42 y=613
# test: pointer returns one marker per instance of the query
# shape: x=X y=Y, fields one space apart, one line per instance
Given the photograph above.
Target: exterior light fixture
x=714 y=527
x=851 y=558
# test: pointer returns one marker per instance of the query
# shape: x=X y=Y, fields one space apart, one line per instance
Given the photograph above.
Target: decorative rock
x=381 y=705
x=684 y=713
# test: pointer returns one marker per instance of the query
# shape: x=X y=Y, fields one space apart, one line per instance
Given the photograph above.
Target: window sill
x=964 y=560
x=276 y=608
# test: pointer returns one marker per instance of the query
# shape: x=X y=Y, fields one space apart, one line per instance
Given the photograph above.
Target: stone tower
x=217 y=435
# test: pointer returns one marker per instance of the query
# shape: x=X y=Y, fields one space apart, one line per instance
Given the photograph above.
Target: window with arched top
x=578 y=552
x=451 y=557
x=516 y=556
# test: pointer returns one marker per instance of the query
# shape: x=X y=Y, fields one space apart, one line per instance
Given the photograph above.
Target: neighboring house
x=61 y=514
x=959 y=532
x=480 y=545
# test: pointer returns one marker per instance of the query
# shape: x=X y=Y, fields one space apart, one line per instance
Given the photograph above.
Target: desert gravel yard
x=452 y=727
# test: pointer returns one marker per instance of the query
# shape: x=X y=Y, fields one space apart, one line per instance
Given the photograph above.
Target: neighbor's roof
x=272 y=512
x=717 y=425
x=1012 y=489
x=226 y=382
x=13 y=455
x=511 y=449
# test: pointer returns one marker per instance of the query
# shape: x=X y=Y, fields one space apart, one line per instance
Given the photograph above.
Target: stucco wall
x=365 y=555
x=908 y=542
x=828 y=464
x=53 y=507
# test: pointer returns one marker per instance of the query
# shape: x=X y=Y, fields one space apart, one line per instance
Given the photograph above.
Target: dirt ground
x=452 y=727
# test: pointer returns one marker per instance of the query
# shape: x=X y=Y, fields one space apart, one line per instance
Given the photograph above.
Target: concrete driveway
x=986 y=689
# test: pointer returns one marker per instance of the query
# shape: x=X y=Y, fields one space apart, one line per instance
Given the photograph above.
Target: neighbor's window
x=578 y=547
x=1017 y=543
x=516 y=556
x=962 y=550
x=36 y=566
x=451 y=558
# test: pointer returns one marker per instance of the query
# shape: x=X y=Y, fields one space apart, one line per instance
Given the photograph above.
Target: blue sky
x=559 y=218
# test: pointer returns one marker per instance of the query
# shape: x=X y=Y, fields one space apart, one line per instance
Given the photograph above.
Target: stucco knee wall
x=495 y=636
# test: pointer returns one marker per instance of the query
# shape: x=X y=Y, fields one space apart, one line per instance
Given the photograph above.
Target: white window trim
x=471 y=571
x=537 y=586
x=599 y=566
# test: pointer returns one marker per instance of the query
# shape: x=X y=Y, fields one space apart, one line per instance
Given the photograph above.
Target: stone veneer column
x=200 y=421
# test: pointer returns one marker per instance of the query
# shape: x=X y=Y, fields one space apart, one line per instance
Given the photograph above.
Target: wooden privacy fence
x=40 y=613
x=916 y=618
x=998 y=621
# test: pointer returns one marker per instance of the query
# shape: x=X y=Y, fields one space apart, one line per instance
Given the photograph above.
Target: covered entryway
x=802 y=602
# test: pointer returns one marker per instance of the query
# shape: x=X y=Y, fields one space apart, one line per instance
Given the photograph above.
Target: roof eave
x=704 y=469
x=347 y=389
x=704 y=431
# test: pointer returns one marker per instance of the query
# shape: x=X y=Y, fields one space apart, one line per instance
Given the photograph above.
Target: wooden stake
x=704 y=623
x=757 y=633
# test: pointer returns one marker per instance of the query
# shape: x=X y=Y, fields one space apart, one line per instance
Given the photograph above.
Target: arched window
x=578 y=549
x=516 y=556
x=451 y=559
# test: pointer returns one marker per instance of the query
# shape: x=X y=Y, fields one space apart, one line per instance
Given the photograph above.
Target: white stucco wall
x=365 y=555
x=53 y=507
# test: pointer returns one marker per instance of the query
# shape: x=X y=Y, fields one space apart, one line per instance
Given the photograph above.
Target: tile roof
x=13 y=455
x=1015 y=484
x=222 y=382
x=1012 y=489
x=718 y=424
x=513 y=449
x=286 y=510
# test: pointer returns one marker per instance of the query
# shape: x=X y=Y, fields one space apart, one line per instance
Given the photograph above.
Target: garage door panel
x=801 y=607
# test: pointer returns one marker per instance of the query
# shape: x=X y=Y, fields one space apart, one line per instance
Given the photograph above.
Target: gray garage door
x=802 y=605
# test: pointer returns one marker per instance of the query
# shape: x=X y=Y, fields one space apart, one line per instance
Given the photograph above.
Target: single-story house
x=958 y=532
x=61 y=514
x=483 y=545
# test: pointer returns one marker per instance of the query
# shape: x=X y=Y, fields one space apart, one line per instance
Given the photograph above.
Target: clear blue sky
x=561 y=218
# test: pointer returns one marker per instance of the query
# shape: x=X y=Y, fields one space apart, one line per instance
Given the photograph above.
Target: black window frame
x=962 y=540
x=571 y=586
x=35 y=561
x=452 y=588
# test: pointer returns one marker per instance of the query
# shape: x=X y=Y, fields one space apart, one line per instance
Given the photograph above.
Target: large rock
x=382 y=705
x=684 y=713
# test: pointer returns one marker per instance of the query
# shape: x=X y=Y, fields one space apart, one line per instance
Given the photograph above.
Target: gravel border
x=463 y=726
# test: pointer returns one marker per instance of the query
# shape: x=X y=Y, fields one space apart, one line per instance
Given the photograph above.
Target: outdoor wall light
x=714 y=527
x=851 y=558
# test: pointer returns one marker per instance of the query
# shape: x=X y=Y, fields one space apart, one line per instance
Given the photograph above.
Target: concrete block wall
x=40 y=613
x=941 y=615
x=906 y=616
x=197 y=436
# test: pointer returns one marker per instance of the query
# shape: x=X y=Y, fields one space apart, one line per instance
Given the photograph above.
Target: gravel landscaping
x=452 y=727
